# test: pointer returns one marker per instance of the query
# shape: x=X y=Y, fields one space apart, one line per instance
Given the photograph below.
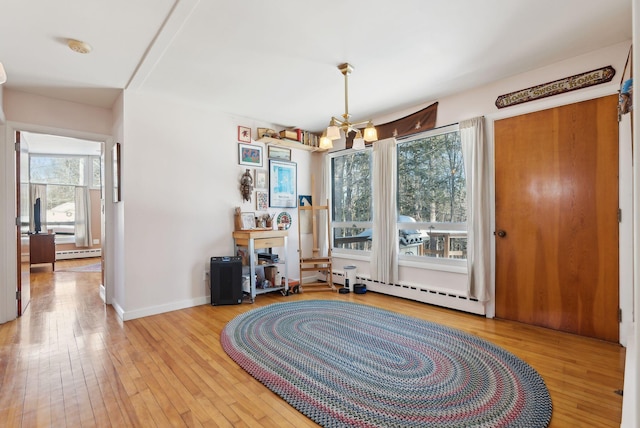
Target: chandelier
x=345 y=125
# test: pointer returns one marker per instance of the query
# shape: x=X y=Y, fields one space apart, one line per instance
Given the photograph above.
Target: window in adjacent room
x=62 y=174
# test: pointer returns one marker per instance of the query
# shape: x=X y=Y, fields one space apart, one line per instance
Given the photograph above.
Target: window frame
x=437 y=263
x=337 y=251
x=405 y=260
x=86 y=182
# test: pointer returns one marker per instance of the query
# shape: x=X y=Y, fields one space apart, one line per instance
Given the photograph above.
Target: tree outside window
x=432 y=193
x=351 y=200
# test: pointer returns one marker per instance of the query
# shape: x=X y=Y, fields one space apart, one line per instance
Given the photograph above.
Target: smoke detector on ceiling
x=79 y=46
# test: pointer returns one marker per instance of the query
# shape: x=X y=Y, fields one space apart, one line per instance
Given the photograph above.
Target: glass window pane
x=431 y=179
x=96 y=173
x=432 y=191
x=351 y=187
x=61 y=209
x=352 y=238
x=58 y=170
x=447 y=244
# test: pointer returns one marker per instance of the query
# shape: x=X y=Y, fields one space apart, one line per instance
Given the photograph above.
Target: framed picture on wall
x=260 y=181
x=262 y=200
x=248 y=221
x=283 y=184
x=244 y=134
x=282 y=153
x=115 y=159
x=249 y=155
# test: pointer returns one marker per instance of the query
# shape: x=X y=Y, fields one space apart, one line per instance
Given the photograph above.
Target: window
x=61 y=174
x=49 y=169
x=351 y=200
x=96 y=173
x=432 y=195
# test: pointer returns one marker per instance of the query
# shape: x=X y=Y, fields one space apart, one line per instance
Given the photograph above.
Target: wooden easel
x=318 y=261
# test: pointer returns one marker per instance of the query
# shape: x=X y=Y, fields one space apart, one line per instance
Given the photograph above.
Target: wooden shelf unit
x=254 y=240
x=290 y=144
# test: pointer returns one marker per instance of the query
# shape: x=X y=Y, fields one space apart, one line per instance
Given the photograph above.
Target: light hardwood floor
x=69 y=362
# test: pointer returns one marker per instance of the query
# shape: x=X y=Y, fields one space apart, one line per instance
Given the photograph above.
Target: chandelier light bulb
x=358 y=141
x=325 y=142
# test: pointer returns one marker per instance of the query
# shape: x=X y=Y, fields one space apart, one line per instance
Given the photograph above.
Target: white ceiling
x=58 y=145
x=276 y=61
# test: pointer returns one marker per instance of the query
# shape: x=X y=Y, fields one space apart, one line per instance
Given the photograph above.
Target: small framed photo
x=304 y=200
x=260 y=181
x=262 y=200
x=244 y=134
x=282 y=153
x=248 y=220
x=250 y=155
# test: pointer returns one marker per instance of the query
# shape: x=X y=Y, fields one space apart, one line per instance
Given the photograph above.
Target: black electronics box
x=226 y=280
x=270 y=258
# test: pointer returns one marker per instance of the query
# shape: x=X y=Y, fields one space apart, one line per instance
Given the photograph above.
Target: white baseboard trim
x=160 y=309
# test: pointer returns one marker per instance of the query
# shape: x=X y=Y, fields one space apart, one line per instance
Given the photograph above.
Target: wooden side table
x=42 y=249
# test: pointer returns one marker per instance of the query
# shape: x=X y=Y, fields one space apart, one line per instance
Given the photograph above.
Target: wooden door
x=557 y=218
x=23 y=213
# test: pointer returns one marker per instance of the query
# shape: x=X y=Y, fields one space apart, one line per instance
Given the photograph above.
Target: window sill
x=65 y=239
x=443 y=265
x=425 y=263
x=364 y=256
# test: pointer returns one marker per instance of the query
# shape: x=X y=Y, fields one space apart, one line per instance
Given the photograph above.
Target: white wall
x=113 y=242
x=180 y=185
x=50 y=113
x=631 y=399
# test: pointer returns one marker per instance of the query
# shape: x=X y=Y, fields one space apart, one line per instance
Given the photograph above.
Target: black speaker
x=226 y=280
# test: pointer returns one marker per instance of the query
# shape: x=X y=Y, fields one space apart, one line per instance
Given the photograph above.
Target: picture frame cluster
x=275 y=187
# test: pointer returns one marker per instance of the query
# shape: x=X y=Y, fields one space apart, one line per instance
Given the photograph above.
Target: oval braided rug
x=350 y=365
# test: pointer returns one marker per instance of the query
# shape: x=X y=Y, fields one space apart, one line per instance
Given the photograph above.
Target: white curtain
x=38 y=191
x=323 y=232
x=384 y=251
x=477 y=173
x=83 y=217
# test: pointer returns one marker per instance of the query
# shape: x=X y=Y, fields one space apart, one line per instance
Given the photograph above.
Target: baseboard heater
x=419 y=293
x=78 y=254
